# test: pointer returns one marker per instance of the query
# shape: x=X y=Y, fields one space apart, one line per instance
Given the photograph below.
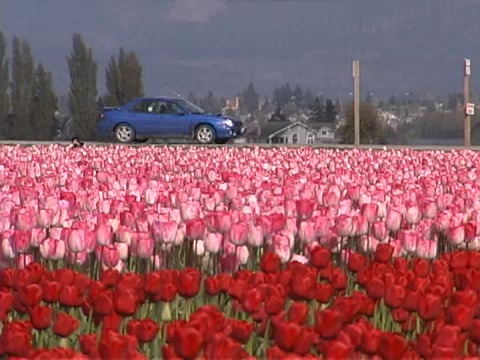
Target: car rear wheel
x=205 y=134
x=124 y=134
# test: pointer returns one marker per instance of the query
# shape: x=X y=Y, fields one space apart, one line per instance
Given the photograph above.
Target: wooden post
x=466 y=96
x=356 y=102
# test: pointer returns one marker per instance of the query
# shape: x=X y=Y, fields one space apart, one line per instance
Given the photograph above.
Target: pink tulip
x=299 y=258
x=368 y=243
x=127 y=219
x=199 y=247
x=344 y=226
x=242 y=254
x=79 y=258
x=110 y=256
x=409 y=239
x=427 y=249
x=393 y=220
x=21 y=241
x=361 y=225
x=124 y=235
x=281 y=246
x=429 y=209
x=442 y=221
x=223 y=222
x=189 y=211
x=37 y=236
x=23 y=260
x=322 y=226
x=456 y=235
x=443 y=201
x=195 y=229
x=412 y=213
x=7 y=249
x=213 y=242
x=353 y=192
x=167 y=232
x=144 y=245
x=52 y=249
x=76 y=241
x=307 y=232
x=379 y=231
x=122 y=249
x=45 y=218
x=180 y=237
x=24 y=220
x=305 y=208
x=238 y=234
x=151 y=196
x=370 y=211
x=104 y=234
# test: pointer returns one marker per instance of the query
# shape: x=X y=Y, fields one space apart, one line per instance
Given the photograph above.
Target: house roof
x=320 y=125
x=274 y=127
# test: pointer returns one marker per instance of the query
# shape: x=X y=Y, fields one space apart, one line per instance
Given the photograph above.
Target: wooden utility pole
x=468 y=107
x=356 y=102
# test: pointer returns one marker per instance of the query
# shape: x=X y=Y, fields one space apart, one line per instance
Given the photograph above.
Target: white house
x=286 y=132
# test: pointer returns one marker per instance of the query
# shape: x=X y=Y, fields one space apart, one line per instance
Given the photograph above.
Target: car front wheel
x=124 y=134
x=205 y=134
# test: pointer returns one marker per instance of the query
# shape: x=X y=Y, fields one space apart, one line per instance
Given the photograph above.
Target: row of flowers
x=390 y=307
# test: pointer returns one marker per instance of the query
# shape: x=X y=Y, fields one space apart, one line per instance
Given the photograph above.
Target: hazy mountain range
x=198 y=45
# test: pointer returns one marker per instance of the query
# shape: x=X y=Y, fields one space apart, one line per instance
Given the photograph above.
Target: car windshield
x=189 y=107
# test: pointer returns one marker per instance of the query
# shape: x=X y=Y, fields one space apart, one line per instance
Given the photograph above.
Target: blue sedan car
x=166 y=117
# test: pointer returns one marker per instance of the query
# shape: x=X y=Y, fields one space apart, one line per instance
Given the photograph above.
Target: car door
x=173 y=120
x=146 y=118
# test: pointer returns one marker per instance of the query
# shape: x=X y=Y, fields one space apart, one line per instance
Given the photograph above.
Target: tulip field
x=165 y=252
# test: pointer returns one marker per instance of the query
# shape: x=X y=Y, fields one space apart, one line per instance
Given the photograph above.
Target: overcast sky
x=197 y=45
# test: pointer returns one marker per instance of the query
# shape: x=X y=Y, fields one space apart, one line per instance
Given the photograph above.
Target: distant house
x=286 y=132
x=325 y=132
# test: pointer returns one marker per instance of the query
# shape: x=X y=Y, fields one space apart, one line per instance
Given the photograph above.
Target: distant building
x=325 y=132
x=286 y=132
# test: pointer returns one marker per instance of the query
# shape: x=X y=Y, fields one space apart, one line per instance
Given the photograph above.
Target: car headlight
x=228 y=123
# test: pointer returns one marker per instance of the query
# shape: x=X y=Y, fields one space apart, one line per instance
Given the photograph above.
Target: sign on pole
x=470 y=109
x=467 y=67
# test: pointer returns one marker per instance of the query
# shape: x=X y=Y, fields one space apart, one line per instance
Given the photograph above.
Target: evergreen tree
x=123 y=78
x=317 y=111
x=82 y=98
x=4 y=85
x=23 y=78
x=392 y=101
x=308 y=98
x=250 y=99
x=298 y=95
x=330 y=111
x=44 y=105
x=371 y=127
x=338 y=105
x=277 y=115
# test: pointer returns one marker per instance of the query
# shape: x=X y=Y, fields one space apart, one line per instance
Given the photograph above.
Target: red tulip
x=16 y=339
x=392 y=346
x=394 y=296
x=298 y=312
x=460 y=315
x=375 y=288
x=188 y=284
x=320 y=257
x=187 y=342
x=115 y=346
x=125 y=302
x=41 y=317
x=88 y=344
x=287 y=334
x=30 y=295
x=270 y=262
x=145 y=330
x=429 y=306
x=252 y=300
x=64 y=325
x=70 y=296
x=337 y=350
x=103 y=303
x=383 y=253
x=242 y=330
x=329 y=322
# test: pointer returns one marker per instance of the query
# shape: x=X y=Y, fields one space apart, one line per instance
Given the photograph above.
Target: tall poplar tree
x=82 y=98
x=4 y=85
x=123 y=77
x=23 y=79
x=44 y=105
